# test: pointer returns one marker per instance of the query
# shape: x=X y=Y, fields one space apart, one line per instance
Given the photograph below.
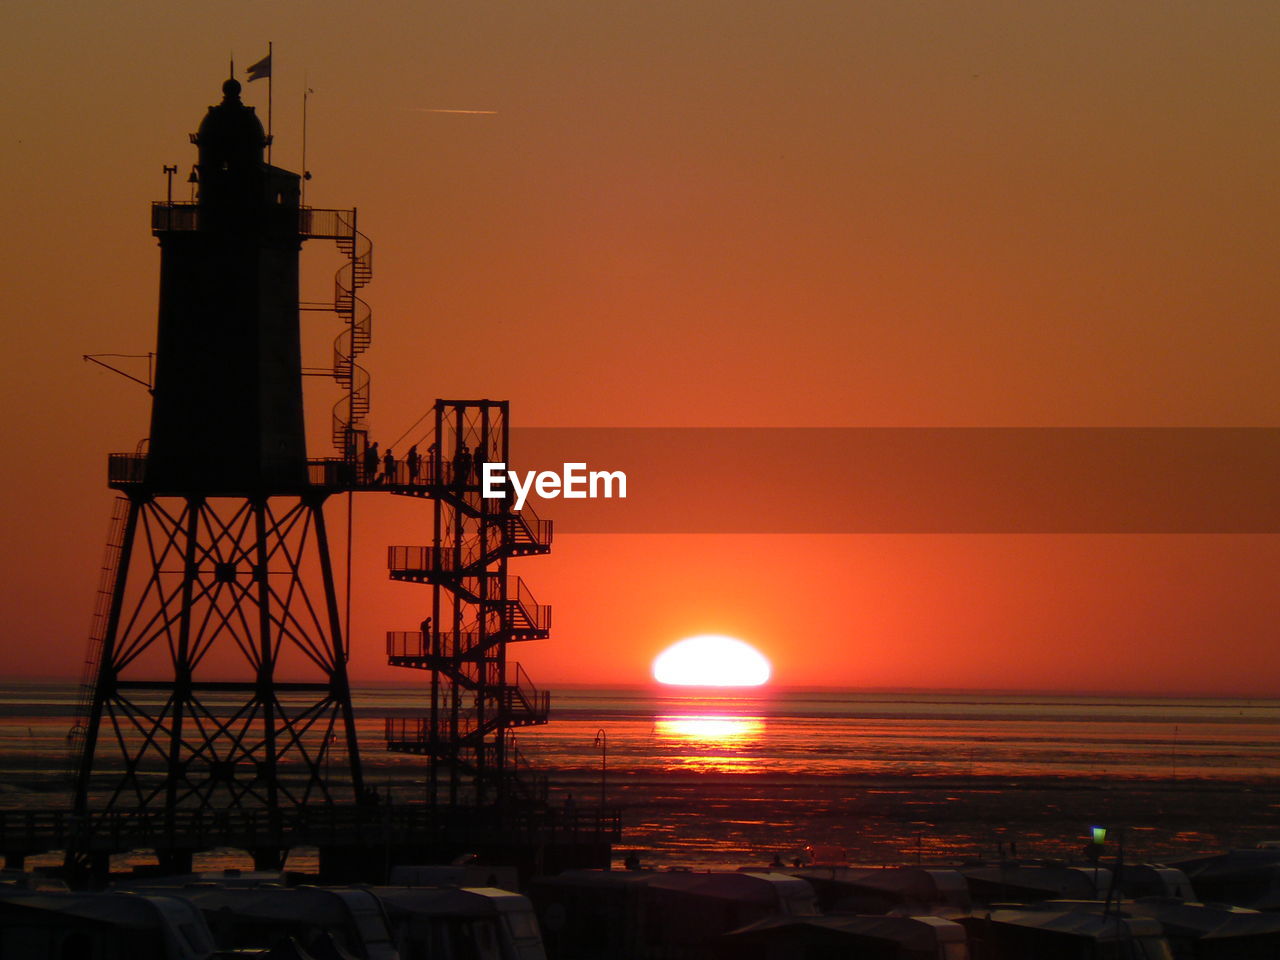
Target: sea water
x=716 y=777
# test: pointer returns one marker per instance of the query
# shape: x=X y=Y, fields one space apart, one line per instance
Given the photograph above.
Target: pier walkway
x=426 y=477
x=354 y=841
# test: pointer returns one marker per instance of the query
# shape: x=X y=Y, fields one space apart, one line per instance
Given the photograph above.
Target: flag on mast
x=256 y=72
x=260 y=70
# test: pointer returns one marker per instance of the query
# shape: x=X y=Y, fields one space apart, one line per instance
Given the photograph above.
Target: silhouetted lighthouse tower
x=217 y=679
x=227 y=413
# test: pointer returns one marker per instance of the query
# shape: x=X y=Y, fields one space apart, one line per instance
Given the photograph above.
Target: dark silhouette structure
x=216 y=706
x=477 y=698
x=219 y=580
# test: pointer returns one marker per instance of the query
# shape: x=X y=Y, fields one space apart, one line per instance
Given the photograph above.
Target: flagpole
x=306 y=91
x=271 y=75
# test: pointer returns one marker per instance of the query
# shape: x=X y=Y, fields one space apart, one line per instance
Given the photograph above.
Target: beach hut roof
x=313 y=905
x=450 y=901
x=910 y=933
x=1204 y=921
x=113 y=909
x=580 y=878
x=1077 y=923
x=1230 y=863
x=1062 y=881
x=764 y=889
x=921 y=883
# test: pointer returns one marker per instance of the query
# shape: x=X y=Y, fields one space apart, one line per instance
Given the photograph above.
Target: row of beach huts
x=1212 y=908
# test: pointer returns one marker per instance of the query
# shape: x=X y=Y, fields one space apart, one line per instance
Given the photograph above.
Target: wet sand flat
x=716 y=819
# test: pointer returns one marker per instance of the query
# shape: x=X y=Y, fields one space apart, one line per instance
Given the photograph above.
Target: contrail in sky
x=466 y=113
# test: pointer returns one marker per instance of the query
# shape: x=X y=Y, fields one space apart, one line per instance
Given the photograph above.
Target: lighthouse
x=216 y=678
x=227 y=411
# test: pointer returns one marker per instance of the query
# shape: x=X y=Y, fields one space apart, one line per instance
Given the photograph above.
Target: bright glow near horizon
x=711 y=660
x=720 y=730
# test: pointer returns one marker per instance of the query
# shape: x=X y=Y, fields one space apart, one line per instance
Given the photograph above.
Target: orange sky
x=703 y=213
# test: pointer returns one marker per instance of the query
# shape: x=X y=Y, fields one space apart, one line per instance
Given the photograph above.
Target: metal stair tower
x=477 y=699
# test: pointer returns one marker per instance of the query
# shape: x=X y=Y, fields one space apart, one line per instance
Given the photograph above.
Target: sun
x=711 y=660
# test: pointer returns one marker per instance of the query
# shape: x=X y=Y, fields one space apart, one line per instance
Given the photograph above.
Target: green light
x=1099 y=834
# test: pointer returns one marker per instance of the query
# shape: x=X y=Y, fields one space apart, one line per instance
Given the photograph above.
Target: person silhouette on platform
x=371 y=463
x=481 y=456
x=415 y=463
x=389 y=466
x=462 y=466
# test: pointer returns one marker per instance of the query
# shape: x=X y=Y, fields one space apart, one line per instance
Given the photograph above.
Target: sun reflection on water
x=712 y=743
x=711 y=730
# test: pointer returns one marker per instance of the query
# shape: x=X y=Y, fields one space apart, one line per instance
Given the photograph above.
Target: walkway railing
x=433 y=560
x=520 y=597
x=339 y=474
x=408 y=644
x=313 y=223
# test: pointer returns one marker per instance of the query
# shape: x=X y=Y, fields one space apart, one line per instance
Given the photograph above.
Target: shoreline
x=702 y=821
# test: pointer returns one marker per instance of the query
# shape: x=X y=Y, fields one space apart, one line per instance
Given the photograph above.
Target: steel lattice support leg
x=222 y=677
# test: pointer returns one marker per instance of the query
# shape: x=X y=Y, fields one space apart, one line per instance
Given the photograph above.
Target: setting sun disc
x=711 y=660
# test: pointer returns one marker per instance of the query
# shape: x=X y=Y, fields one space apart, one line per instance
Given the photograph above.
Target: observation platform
x=442 y=479
x=313 y=223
